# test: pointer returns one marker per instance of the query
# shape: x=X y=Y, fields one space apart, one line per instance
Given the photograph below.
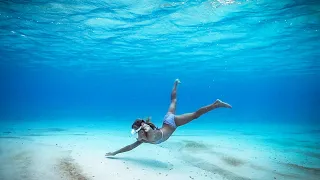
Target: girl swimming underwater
x=148 y=133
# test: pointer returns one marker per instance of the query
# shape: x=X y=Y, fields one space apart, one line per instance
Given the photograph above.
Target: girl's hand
x=146 y=127
x=148 y=119
x=110 y=154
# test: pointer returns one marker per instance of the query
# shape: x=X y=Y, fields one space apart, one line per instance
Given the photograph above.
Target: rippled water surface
x=195 y=35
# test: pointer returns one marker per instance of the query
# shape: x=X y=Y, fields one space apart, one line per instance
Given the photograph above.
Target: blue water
x=93 y=59
x=99 y=65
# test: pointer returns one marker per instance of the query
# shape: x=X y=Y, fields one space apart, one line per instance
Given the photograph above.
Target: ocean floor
x=214 y=151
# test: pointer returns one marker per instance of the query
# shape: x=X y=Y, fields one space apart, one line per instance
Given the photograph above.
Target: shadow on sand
x=150 y=163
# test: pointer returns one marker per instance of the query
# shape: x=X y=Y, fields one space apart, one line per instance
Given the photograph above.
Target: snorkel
x=137 y=123
x=133 y=131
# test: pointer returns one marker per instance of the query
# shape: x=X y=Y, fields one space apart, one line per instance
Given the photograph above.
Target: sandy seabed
x=240 y=152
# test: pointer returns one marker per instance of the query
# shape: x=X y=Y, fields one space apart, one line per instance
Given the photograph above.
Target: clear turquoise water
x=92 y=59
x=101 y=64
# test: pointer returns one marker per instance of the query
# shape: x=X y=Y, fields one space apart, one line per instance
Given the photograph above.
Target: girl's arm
x=125 y=149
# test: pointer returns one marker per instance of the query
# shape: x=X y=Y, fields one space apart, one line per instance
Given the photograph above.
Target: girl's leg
x=186 y=118
x=172 y=107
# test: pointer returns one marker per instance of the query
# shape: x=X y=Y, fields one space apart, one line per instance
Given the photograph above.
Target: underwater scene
x=161 y=90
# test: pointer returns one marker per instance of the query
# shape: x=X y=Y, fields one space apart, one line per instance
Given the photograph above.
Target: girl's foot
x=218 y=103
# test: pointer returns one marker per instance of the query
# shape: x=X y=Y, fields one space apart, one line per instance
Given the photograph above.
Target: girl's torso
x=157 y=136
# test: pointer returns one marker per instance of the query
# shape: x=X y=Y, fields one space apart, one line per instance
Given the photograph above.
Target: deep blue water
x=92 y=59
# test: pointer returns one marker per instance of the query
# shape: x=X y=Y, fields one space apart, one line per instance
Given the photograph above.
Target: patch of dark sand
x=259 y=168
x=144 y=162
x=212 y=168
x=288 y=176
x=308 y=170
x=307 y=153
x=79 y=134
x=312 y=143
x=16 y=138
x=46 y=130
x=249 y=134
x=56 y=130
x=195 y=146
x=290 y=143
x=315 y=146
x=313 y=131
x=10 y=137
x=44 y=135
x=233 y=161
x=274 y=172
x=312 y=154
x=283 y=142
x=71 y=170
x=21 y=163
x=20 y=156
x=200 y=146
x=38 y=135
x=301 y=141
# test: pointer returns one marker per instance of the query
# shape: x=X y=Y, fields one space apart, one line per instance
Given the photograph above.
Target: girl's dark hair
x=138 y=122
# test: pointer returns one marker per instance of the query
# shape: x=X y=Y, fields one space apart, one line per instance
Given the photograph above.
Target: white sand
x=78 y=153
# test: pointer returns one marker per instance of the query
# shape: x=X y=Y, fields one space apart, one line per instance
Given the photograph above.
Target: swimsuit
x=169 y=119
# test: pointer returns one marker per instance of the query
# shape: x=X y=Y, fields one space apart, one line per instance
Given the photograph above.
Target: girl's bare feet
x=218 y=103
x=177 y=81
